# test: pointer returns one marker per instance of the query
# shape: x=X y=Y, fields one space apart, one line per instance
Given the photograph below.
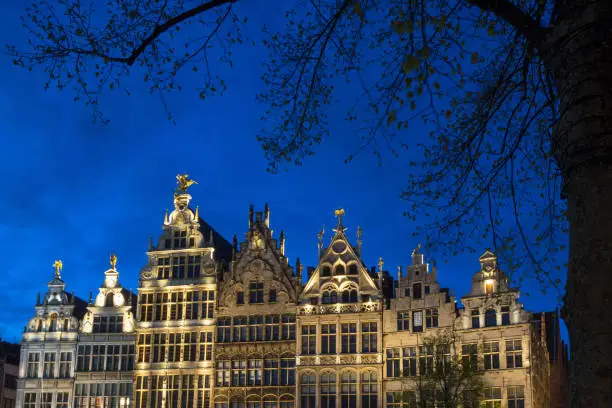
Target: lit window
x=492 y=397
x=255 y=372
x=489 y=287
x=417 y=321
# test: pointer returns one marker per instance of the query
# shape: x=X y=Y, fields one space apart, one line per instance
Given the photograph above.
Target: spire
x=320 y=238
x=234 y=247
x=399 y=271
x=251 y=211
x=359 y=241
x=58 y=265
x=267 y=216
x=298 y=268
x=380 y=272
x=151 y=244
x=90 y=296
x=282 y=243
x=166 y=218
x=197 y=213
x=38 y=299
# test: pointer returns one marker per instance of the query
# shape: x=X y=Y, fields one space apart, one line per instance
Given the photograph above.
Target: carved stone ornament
x=147 y=273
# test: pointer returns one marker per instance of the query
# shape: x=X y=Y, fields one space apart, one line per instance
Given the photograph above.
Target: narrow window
x=505 y=315
x=417 y=321
x=272 y=296
x=490 y=318
x=475 y=319
x=416 y=291
x=240 y=298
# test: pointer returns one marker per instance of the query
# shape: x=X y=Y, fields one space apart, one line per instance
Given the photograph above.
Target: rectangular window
x=271 y=372
x=516 y=396
x=61 y=400
x=272 y=296
x=240 y=298
x=256 y=329
x=159 y=347
x=369 y=337
x=288 y=327
x=309 y=339
x=407 y=292
x=190 y=346
x=393 y=362
x=178 y=267
x=417 y=321
x=328 y=338
x=475 y=319
x=426 y=360
x=492 y=397
x=224 y=327
x=287 y=371
x=349 y=338
x=208 y=304
x=255 y=372
x=431 y=317
x=180 y=239
x=206 y=343
x=193 y=266
x=256 y=292
x=29 y=400
x=469 y=355
x=223 y=373
x=65 y=364
x=406 y=399
x=505 y=315
x=33 y=364
x=49 y=366
x=514 y=353
x=403 y=321
x=491 y=355
x=163 y=268
x=240 y=329
x=46 y=400
x=416 y=291
x=238 y=373
x=409 y=362
x=272 y=327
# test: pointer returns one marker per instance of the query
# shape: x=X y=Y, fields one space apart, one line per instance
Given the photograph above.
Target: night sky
x=76 y=190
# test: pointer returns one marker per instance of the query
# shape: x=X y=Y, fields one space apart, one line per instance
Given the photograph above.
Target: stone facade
x=220 y=325
x=105 y=349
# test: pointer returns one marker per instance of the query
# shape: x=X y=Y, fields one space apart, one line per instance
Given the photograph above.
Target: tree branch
x=160 y=29
x=513 y=15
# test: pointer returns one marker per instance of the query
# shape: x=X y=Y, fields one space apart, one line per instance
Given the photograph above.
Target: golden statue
x=113 y=261
x=339 y=213
x=58 y=268
x=184 y=183
x=380 y=264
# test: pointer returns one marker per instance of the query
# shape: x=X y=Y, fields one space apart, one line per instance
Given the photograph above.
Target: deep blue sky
x=76 y=191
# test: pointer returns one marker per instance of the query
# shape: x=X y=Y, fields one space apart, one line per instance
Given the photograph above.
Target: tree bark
x=580 y=58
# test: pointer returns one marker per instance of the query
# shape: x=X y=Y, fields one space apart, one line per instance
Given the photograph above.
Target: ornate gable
x=341 y=276
x=260 y=259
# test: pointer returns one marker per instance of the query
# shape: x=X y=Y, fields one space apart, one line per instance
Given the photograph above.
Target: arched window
x=328 y=390
x=353 y=296
x=348 y=389
x=325 y=298
x=253 y=402
x=352 y=269
x=339 y=270
x=369 y=389
x=270 y=402
x=308 y=390
x=53 y=323
x=325 y=271
x=490 y=318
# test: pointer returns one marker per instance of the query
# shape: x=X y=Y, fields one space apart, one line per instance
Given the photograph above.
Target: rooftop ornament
x=184 y=182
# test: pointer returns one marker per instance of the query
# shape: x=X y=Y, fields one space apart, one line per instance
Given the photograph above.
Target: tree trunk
x=580 y=50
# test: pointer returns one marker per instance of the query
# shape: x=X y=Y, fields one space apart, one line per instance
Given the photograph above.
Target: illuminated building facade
x=176 y=311
x=256 y=323
x=340 y=342
x=48 y=348
x=106 y=347
x=222 y=325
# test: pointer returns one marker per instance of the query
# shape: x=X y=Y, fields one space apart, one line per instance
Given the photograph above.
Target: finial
x=166 y=218
x=282 y=243
x=113 y=261
x=339 y=213
x=38 y=299
x=320 y=238
x=251 y=211
x=380 y=264
x=267 y=215
x=58 y=268
x=184 y=183
x=399 y=271
x=197 y=213
x=359 y=236
x=90 y=296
